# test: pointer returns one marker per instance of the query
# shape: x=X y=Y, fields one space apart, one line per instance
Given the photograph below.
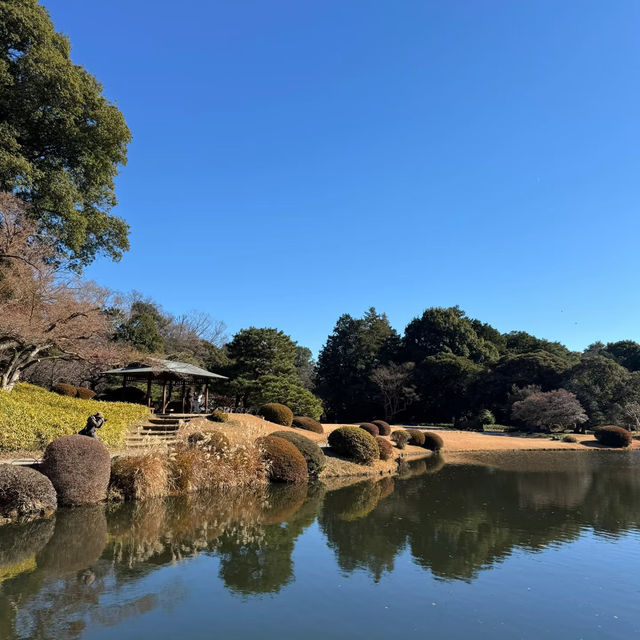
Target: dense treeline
x=447 y=367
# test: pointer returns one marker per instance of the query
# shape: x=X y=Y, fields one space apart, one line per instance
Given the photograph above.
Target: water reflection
x=60 y=575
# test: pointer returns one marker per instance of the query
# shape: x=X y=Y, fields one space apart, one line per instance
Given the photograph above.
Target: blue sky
x=292 y=161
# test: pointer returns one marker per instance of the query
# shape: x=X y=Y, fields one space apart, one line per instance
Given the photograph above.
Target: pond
x=524 y=545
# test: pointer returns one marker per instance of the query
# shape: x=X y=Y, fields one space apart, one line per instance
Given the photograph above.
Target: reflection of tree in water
x=465 y=518
x=264 y=564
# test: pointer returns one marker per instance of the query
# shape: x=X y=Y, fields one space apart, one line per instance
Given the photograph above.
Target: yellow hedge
x=31 y=417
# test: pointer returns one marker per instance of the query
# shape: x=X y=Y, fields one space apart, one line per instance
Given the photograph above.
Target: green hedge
x=31 y=417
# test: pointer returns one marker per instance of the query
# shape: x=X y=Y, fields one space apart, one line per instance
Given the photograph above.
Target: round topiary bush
x=285 y=462
x=384 y=428
x=25 y=493
x=386 y=448
x=401 y=437
x=432 y=441
x=78 y=467
x=611 y=436
x=371 y=428
x=311 y=452
x=308 y=424
x=63 y=389
x=133 y=395
x=570 y=439
x=416 y=437
x=276 y=412
x=218 y=416
x=85 y=394
x=354 y=443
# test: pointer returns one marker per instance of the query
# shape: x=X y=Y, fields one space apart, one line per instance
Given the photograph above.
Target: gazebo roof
x=164 y=368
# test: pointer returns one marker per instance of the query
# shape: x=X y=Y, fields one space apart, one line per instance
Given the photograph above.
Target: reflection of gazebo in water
x=167 y=373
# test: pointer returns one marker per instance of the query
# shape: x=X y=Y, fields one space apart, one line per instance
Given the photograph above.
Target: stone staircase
x=159 y=431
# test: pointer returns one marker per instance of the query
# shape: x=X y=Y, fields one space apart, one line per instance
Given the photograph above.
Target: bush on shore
x=416 y=437
x=32 y=417
x=386 y=448
x=79 y=469
x=570 y=439
x=371 y=428
x=384 y=428
x=311 y=452
x=218 y=416
x=308 y=424
x=25 y=493
x=401 y=437
x=612 y=436
x=139 y=477
x=354 y=443
x=432 y=441
x=277 y=413
x=284 y=462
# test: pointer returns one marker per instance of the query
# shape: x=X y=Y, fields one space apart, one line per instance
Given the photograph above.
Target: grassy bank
x=31 y=417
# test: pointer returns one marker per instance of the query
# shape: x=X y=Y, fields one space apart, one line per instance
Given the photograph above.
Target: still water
x=542 y=545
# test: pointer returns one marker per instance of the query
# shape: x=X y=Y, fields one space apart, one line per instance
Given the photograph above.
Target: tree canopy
x=61 y=140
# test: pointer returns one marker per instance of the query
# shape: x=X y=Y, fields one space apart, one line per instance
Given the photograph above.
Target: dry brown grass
x=140 y=477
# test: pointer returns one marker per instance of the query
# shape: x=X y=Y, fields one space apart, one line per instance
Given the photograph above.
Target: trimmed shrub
x=311 y=452
x=276 y=412
x=32 y=417
x=354 y=443
x=218 y=416
x=139 y=477
x=386 y=448
x=85 y=394
x=25 y=493
x=611 y=436
x=63 y=389
x=132 y=395
x=371 y=428
x=432 y=441
x=416 y=437
x=570 y=439
x=384 y=428
x=285 y=462
x=401 y=437
x=308 y=424
x=79 y=469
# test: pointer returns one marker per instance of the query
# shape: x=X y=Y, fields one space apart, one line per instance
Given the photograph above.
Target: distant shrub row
x=72 y=391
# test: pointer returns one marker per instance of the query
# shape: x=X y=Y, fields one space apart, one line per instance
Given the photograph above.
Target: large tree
x=345 y=364
x=550 y=411
x=44 y=314
x=61 y=140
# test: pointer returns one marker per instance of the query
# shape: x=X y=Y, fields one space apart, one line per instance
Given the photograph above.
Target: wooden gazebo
x=166 y=372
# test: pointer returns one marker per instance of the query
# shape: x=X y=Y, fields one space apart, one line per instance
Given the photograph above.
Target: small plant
x=277 y=413
x=612 y=436
x=371 y=428
x=384 y=428
x=386 y=448
x=570 y=439
x=63 y=389
x=284 y=462
x=401 y=438
x=354 y=443
x=24 y=493
x=85 y=394
x=79 y=469
x=311 y=452
x=416 y=437
x=432 y=441
x=308 y=424
x=218 y=416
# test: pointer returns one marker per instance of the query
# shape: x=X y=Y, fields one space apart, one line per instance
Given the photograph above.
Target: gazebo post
x=184 y=390
x=206 y=397
x=164 y=396
x=149 y=391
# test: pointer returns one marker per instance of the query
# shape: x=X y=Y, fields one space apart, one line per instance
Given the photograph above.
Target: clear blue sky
x=292 y=161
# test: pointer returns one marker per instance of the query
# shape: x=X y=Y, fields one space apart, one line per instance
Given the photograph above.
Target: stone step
x=173 y=428
x=175 y=421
